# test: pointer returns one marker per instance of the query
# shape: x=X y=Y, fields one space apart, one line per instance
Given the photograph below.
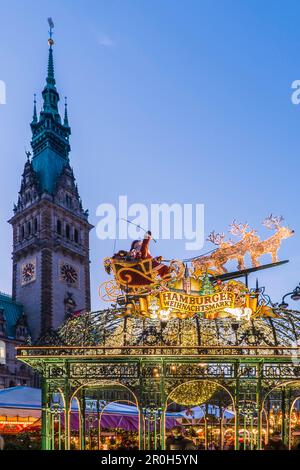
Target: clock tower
x=51 y=268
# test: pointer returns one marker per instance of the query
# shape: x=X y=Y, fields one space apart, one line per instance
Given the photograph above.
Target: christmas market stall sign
x=162 y=289
x=186 y=303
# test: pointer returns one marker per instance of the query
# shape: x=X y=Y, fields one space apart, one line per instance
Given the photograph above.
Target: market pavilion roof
x=108 y=328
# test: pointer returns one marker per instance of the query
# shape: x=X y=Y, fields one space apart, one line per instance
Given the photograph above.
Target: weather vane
x=51 y=26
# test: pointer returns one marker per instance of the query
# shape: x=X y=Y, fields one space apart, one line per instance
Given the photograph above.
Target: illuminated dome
x=109 y=328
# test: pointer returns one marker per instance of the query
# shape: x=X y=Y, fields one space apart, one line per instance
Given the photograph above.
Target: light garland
x=193 y=393
x=108 y=328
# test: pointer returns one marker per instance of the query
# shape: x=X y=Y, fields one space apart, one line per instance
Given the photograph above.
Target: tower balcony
x=32 y=242
x=69 y=245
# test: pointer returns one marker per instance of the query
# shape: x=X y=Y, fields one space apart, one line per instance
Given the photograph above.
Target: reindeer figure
x=218 y=239
x=203 y=263
x=218 y=258
x=221 y=255
x=249 y=238
x=272 y=244
x=228 y=250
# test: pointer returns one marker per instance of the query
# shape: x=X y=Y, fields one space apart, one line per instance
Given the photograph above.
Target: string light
x=193 y=393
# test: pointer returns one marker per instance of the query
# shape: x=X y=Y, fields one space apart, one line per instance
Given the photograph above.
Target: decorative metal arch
x=248 y=359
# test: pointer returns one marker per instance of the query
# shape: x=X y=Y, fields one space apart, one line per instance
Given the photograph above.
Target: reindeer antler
x=273 y=221
x=216 y=238
x=238 y=229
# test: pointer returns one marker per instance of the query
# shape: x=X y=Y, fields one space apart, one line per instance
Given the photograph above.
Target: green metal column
x=251 y=433
x=82 y=421
x=155 y=419
x=141 y=429
x=259 y=406
x=286 y=415
x=283 y=409
x=52 y=427
x=163 y=429
x=162 y=408
x=245 y=431
x=46 y=415
x=59 y=431
x=148 y=422
x=150 y=425
x=67 y=397
x=289 y=421
x=206 y=426
x=221 y=415
x=236 y=404
x=268 y=419
x=98 y=424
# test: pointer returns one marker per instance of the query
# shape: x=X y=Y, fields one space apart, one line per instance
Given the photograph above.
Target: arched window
x=58 y=227
x=2 y=352
x=28 y=228
x=35 y=225
x=68 y=201
x=22 y=235
x=76 y=236
x=68 y=231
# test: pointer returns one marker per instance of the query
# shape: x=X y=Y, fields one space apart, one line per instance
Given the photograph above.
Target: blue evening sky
x=169 y=101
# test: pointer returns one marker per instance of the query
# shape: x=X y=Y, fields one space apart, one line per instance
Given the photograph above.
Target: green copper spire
x=50 y=76
x=50 y=94
x=50 y=138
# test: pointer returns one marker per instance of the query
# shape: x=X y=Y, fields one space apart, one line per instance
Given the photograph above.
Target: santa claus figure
x=135 y=250
x=143 y=251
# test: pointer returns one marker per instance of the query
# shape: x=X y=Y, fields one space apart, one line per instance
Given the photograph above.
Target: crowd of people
x=122 y=440
x=179 y=441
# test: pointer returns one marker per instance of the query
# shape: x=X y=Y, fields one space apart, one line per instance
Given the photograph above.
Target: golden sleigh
x=139 y=276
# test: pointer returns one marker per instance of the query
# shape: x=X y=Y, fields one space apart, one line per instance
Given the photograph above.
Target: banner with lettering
x=188 y=303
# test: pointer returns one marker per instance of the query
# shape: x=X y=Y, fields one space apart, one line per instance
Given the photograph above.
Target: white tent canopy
x=26 y=401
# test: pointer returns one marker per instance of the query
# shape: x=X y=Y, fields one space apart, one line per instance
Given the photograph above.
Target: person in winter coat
x=275 y=443
x=177 y=441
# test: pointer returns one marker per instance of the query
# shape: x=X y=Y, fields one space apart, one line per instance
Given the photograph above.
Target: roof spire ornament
x=34 y=117
x=51 y=26
x=28 y=155
x=50 y=75
x=50 y=94
x=66 y=120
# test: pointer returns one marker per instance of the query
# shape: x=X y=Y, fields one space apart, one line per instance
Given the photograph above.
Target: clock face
x=68 y=274
x=28 y=272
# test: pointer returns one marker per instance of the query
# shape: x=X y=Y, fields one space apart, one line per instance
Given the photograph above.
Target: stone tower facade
x=51 y=268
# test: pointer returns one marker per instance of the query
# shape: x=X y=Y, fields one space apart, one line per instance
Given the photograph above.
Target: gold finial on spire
x=51 y=26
